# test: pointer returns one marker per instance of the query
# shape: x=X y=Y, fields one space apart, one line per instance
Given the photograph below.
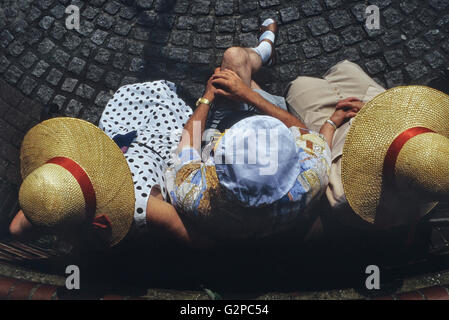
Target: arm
x=232 y=86
x=266 y=107
x=327 y=130
x=199 y=117
x=21 y=227
x=345 y=110
x=164 y=221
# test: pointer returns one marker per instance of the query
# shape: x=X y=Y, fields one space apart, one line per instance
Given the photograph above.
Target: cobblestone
x=13 y=74
x=435 y=59
x=4 y=63
x=85 y=91
x=69 y=84
x=40 y=68
x=6 y=38
x=289 y=14
x=54 y=76
x=311 y=48
x=392 y=17
x=340 y=19
x=45 y=46
x=312 y=8
x=72 y=41
x=370 y=48
x=28 y=59
x=417 y=69
x=394 y=58
x=98 y=37
x=318 y=26
x=16 y=48
x=58 y=31
x=331 y=43
x=61 y=58
x=434 y=36
x=223 y=7
x=102 y=56
x=416 y=47
x=76 y=65
x=105 y=21
x=94 y=73
x=44 y=93
x=73 y=108
x=27 y=86
x=46 y=22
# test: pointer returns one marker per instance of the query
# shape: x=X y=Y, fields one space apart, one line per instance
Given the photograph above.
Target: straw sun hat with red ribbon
x=76 y=181
x=395 y=165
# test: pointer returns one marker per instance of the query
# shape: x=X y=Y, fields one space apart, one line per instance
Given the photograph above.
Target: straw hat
x=75 y=179
x=395 y=163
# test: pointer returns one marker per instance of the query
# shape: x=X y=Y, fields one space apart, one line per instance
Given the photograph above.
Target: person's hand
x=20 y=226
x=230 y=85
x=345 y=110
x=211 y=90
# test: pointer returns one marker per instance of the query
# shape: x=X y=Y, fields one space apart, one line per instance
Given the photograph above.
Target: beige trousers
x=313 y=100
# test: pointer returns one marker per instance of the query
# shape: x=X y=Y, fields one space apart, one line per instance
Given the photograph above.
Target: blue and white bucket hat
x=257 y=161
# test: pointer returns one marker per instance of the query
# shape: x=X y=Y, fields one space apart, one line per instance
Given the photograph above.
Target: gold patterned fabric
x=196 y=191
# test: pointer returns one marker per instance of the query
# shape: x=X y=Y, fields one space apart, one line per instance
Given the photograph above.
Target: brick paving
x=126 y=41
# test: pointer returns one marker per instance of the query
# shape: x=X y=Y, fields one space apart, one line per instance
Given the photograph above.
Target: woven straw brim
x=374 y=129
x=97 y=154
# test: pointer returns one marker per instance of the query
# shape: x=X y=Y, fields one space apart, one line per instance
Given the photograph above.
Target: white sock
x=264 y=51
x=264 y=48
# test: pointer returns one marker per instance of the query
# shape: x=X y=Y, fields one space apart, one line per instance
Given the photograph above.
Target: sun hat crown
x=52 y=198
x=424 y=174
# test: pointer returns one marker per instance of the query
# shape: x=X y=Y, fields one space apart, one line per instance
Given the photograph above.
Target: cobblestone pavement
x=121 y=42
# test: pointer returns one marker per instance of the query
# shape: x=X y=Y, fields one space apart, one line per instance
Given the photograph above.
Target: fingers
x=221 y=82
x=221 y=76
x=350 y=115
x=223 y=93
x=232 y=72
x=226 y=73
x=349 y=104
x=350 y=99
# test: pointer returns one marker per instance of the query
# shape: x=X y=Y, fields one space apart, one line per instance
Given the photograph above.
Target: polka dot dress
x=158 y=115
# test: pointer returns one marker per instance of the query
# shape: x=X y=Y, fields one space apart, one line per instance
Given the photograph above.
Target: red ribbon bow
x=102 y=227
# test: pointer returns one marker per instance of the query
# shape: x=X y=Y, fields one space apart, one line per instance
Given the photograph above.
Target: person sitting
x=122 y=164
x=231 y=199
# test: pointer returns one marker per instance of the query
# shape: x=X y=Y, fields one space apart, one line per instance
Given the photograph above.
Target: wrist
x=337 y=122
x=250 y=96
x=209 y=96
x=203 y=101
x=332 y=124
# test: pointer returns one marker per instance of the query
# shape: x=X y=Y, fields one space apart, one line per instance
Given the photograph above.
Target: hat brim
x=373 y=130
x=97 y=154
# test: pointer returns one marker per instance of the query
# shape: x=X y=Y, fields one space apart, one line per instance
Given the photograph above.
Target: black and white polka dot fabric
x=154 y=110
